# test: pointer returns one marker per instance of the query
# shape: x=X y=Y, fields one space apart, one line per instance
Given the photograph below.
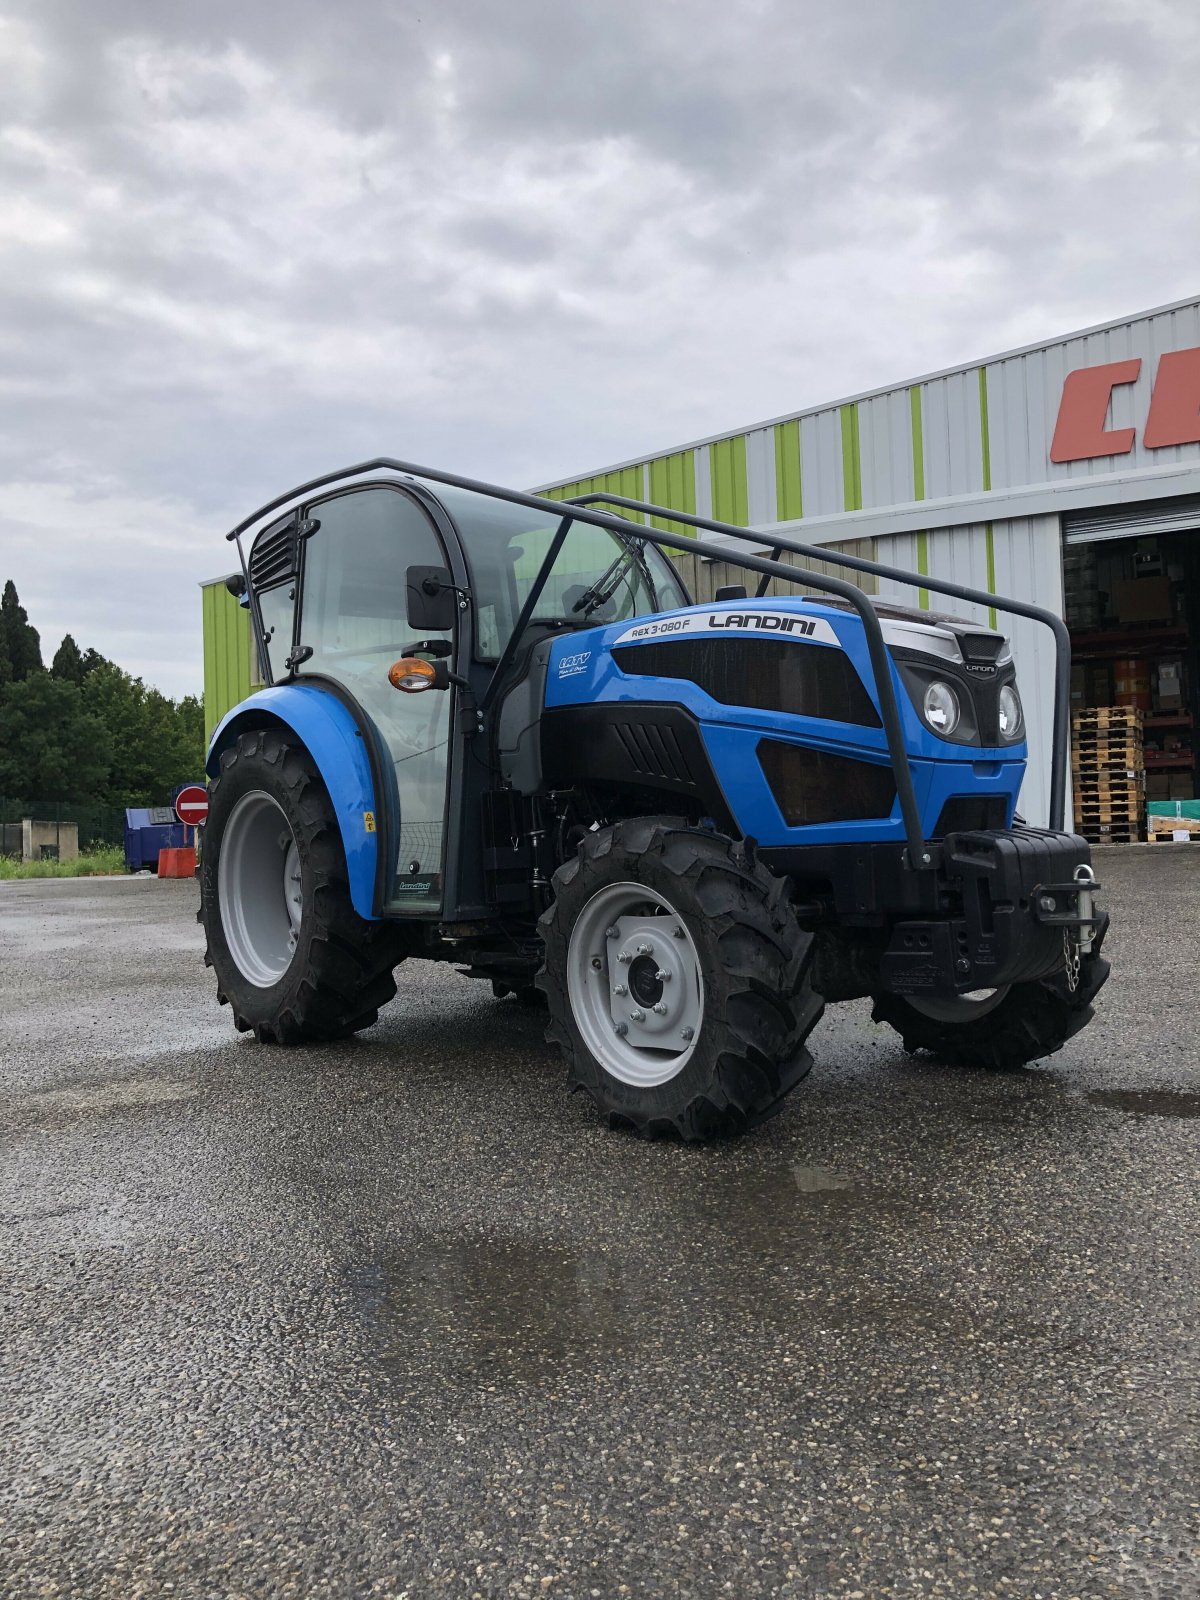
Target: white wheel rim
x=260 y=889
x=634 y=985
x=959 y=1008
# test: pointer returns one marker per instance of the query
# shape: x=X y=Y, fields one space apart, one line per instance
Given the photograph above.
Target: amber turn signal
x=412 y=675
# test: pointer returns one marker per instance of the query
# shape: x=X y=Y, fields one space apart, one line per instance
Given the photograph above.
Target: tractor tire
x=292 y=957
x=1027 y=1023
x=683 y=931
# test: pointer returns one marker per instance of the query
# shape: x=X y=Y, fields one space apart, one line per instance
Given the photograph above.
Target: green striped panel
x=789 y=493
x=227 y=652
x=727 y=467
x=673 y=483
x=851 y=460
x=984 y=438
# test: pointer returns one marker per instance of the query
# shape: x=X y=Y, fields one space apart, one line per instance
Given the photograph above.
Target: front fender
x=333 y=739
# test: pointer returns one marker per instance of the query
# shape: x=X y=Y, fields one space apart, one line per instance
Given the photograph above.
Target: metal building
x=982 y=474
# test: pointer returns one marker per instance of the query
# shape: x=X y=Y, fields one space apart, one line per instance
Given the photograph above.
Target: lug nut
x=620 y=1029
x=637 y=1015
x=619 y=988
x=644 y=950
x=660 y=1010
x=687 y=1033
x=663 y=977
x=624 y=956
x=612 y=933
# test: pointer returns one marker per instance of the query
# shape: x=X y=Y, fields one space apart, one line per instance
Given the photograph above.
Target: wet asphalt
x=398 y=1317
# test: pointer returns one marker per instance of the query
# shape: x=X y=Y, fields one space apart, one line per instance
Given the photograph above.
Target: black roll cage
x=921 y=854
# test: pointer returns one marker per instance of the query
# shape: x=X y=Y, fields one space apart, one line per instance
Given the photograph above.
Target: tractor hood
x=774 y=702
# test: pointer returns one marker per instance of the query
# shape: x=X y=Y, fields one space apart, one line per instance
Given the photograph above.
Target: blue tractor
x=497 y=731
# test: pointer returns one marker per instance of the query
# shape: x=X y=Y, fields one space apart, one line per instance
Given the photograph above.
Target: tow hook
x=1070 y=906
x=1086 y=879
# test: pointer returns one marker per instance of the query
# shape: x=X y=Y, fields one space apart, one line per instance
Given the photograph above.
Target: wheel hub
x=636 y=989
x=260 y=889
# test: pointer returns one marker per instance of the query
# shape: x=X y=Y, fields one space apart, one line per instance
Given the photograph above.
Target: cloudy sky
x=241 y=243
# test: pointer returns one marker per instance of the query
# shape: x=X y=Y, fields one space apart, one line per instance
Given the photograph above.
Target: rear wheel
x=1000 y=1028
x=678 y=980
x=292 y=957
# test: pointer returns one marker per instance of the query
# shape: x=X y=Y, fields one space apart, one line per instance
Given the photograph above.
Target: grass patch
x=104 y=858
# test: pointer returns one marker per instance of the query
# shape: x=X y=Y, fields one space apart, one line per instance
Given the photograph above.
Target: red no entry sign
x=191 y=805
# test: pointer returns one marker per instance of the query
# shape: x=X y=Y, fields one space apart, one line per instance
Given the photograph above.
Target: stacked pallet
x=1109 y=770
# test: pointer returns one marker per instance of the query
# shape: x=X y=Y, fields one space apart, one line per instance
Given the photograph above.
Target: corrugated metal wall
x=979 y=428
x=228 y=674
x=1020 y=558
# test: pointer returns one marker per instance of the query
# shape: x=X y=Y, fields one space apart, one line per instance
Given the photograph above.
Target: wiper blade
x=608 y=583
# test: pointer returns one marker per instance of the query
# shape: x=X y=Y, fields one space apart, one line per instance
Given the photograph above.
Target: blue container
x=149 y=829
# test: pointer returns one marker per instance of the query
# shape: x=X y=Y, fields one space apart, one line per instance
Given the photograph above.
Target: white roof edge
x=871 y=394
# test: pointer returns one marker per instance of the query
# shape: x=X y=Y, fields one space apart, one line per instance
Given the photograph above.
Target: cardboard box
x=1099 y=683
x=1143 y=600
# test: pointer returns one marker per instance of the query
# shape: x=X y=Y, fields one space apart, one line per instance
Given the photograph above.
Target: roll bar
x=583 y=510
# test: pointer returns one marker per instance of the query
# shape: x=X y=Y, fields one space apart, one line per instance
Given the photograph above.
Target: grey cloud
x=242 y=243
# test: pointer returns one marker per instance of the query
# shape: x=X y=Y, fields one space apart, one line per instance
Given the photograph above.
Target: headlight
x=942 y=709
x=1012 y=718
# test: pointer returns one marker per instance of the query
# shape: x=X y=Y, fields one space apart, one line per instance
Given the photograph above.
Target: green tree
x=51 y=746
x=157 y=744
x=68 y=661
x=19 y=639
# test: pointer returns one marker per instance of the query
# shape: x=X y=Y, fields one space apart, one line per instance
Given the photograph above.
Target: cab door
x=353 y=618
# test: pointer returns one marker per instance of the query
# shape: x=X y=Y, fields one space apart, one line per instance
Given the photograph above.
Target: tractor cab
x=350 y=583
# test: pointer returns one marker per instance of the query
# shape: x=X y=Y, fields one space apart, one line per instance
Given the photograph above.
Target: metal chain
x=1071 y=952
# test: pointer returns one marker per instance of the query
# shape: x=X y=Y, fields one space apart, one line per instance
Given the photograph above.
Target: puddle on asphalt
x=87 y=1099
x=500 y=1311
x=817 y=1180
x=495 y=1312
x=1176 y=1103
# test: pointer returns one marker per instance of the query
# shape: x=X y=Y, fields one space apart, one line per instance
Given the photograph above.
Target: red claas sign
x=1174 y=416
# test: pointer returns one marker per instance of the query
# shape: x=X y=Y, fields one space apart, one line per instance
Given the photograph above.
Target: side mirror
x=431 y=599
x=731 y=591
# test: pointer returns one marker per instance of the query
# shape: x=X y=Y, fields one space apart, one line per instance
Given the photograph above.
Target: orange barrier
x=177 y=863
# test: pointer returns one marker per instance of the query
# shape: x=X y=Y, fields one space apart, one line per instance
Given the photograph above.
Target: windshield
x=599 y=575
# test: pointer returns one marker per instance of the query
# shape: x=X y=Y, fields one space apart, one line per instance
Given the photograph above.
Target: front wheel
x=292 y=957
x=677 y=979
x=1000 y=1028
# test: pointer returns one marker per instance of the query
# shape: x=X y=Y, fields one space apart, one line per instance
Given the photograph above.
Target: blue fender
x=332 y=738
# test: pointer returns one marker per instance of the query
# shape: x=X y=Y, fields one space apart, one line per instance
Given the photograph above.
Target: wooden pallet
x=1108 y=751
x=1154 y=837
x=1106 y=715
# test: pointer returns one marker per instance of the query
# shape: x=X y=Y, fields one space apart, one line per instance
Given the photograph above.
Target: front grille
x=971 y=813
x=762 y=674
x=812 y=786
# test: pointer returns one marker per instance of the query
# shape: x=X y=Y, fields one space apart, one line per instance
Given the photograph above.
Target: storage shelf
x=1111 y=643
x=1179 y=719
x=1177 y=758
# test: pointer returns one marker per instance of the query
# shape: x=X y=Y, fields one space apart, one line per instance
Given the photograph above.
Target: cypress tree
x=19 y=639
